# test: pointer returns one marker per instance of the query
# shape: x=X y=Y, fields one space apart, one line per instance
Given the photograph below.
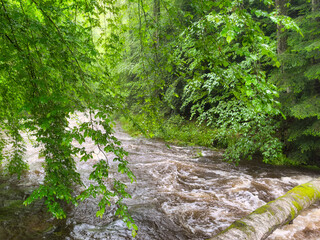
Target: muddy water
x=180 y=193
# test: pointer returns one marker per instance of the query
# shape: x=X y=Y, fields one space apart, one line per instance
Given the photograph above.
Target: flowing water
x=180 y=193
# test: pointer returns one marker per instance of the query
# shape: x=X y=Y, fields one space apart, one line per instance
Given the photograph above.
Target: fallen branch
x=264 y=220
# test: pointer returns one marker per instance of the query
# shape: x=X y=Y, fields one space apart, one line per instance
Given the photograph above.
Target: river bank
x=182 y=192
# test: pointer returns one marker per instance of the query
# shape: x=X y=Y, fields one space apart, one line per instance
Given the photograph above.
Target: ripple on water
x=181 y=193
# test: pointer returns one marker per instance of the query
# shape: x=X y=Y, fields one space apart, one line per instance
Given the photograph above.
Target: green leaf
x=134 y=233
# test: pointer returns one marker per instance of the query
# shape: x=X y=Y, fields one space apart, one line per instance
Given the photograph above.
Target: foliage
x=299 y=83
x=210 y=64
x=50 y=68
x=165 y=61
x=176 y=130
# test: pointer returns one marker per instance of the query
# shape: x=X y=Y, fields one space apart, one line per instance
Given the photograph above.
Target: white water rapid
x=180 y=193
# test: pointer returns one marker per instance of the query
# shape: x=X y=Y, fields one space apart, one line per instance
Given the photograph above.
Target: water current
x=180 y=193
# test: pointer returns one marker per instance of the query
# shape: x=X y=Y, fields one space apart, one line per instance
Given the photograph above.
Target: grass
x=173 y=130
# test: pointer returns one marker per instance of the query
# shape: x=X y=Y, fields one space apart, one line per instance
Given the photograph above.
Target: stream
x=180 y=193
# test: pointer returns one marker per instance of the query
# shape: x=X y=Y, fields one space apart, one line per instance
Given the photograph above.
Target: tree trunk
x=156 y=15
x=315 y=5
x=264 y=220
x=281 y=37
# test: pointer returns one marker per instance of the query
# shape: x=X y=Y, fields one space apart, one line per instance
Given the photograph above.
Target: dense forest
x=249 y=70
x=246 y=70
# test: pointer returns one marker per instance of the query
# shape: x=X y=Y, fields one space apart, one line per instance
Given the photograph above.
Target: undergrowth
x=174 y=129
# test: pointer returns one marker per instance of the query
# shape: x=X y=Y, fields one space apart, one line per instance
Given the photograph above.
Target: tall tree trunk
x=315 y=5
x=156 y=16
x=263 y=221
x=281 y=37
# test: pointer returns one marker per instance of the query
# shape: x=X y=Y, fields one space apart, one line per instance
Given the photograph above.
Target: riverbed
x=180 y=193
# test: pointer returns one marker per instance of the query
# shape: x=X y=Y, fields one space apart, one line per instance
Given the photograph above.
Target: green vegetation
x=246 y=73
x=175 y=130
x=299 y=86
x=246 y=69
x=50 y=68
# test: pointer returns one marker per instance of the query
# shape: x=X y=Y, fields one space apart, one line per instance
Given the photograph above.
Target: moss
x=297 y=208
x=264 y=209
x=305 y=190
x=301 y=192
x=240 y=225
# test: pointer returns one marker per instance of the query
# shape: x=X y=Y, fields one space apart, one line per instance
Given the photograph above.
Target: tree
x=300 y=75
x=210 y=65
x=228 y=88
x=50 y=67
x=281 y=6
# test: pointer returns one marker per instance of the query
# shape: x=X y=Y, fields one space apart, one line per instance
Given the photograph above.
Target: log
x=264 y=220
